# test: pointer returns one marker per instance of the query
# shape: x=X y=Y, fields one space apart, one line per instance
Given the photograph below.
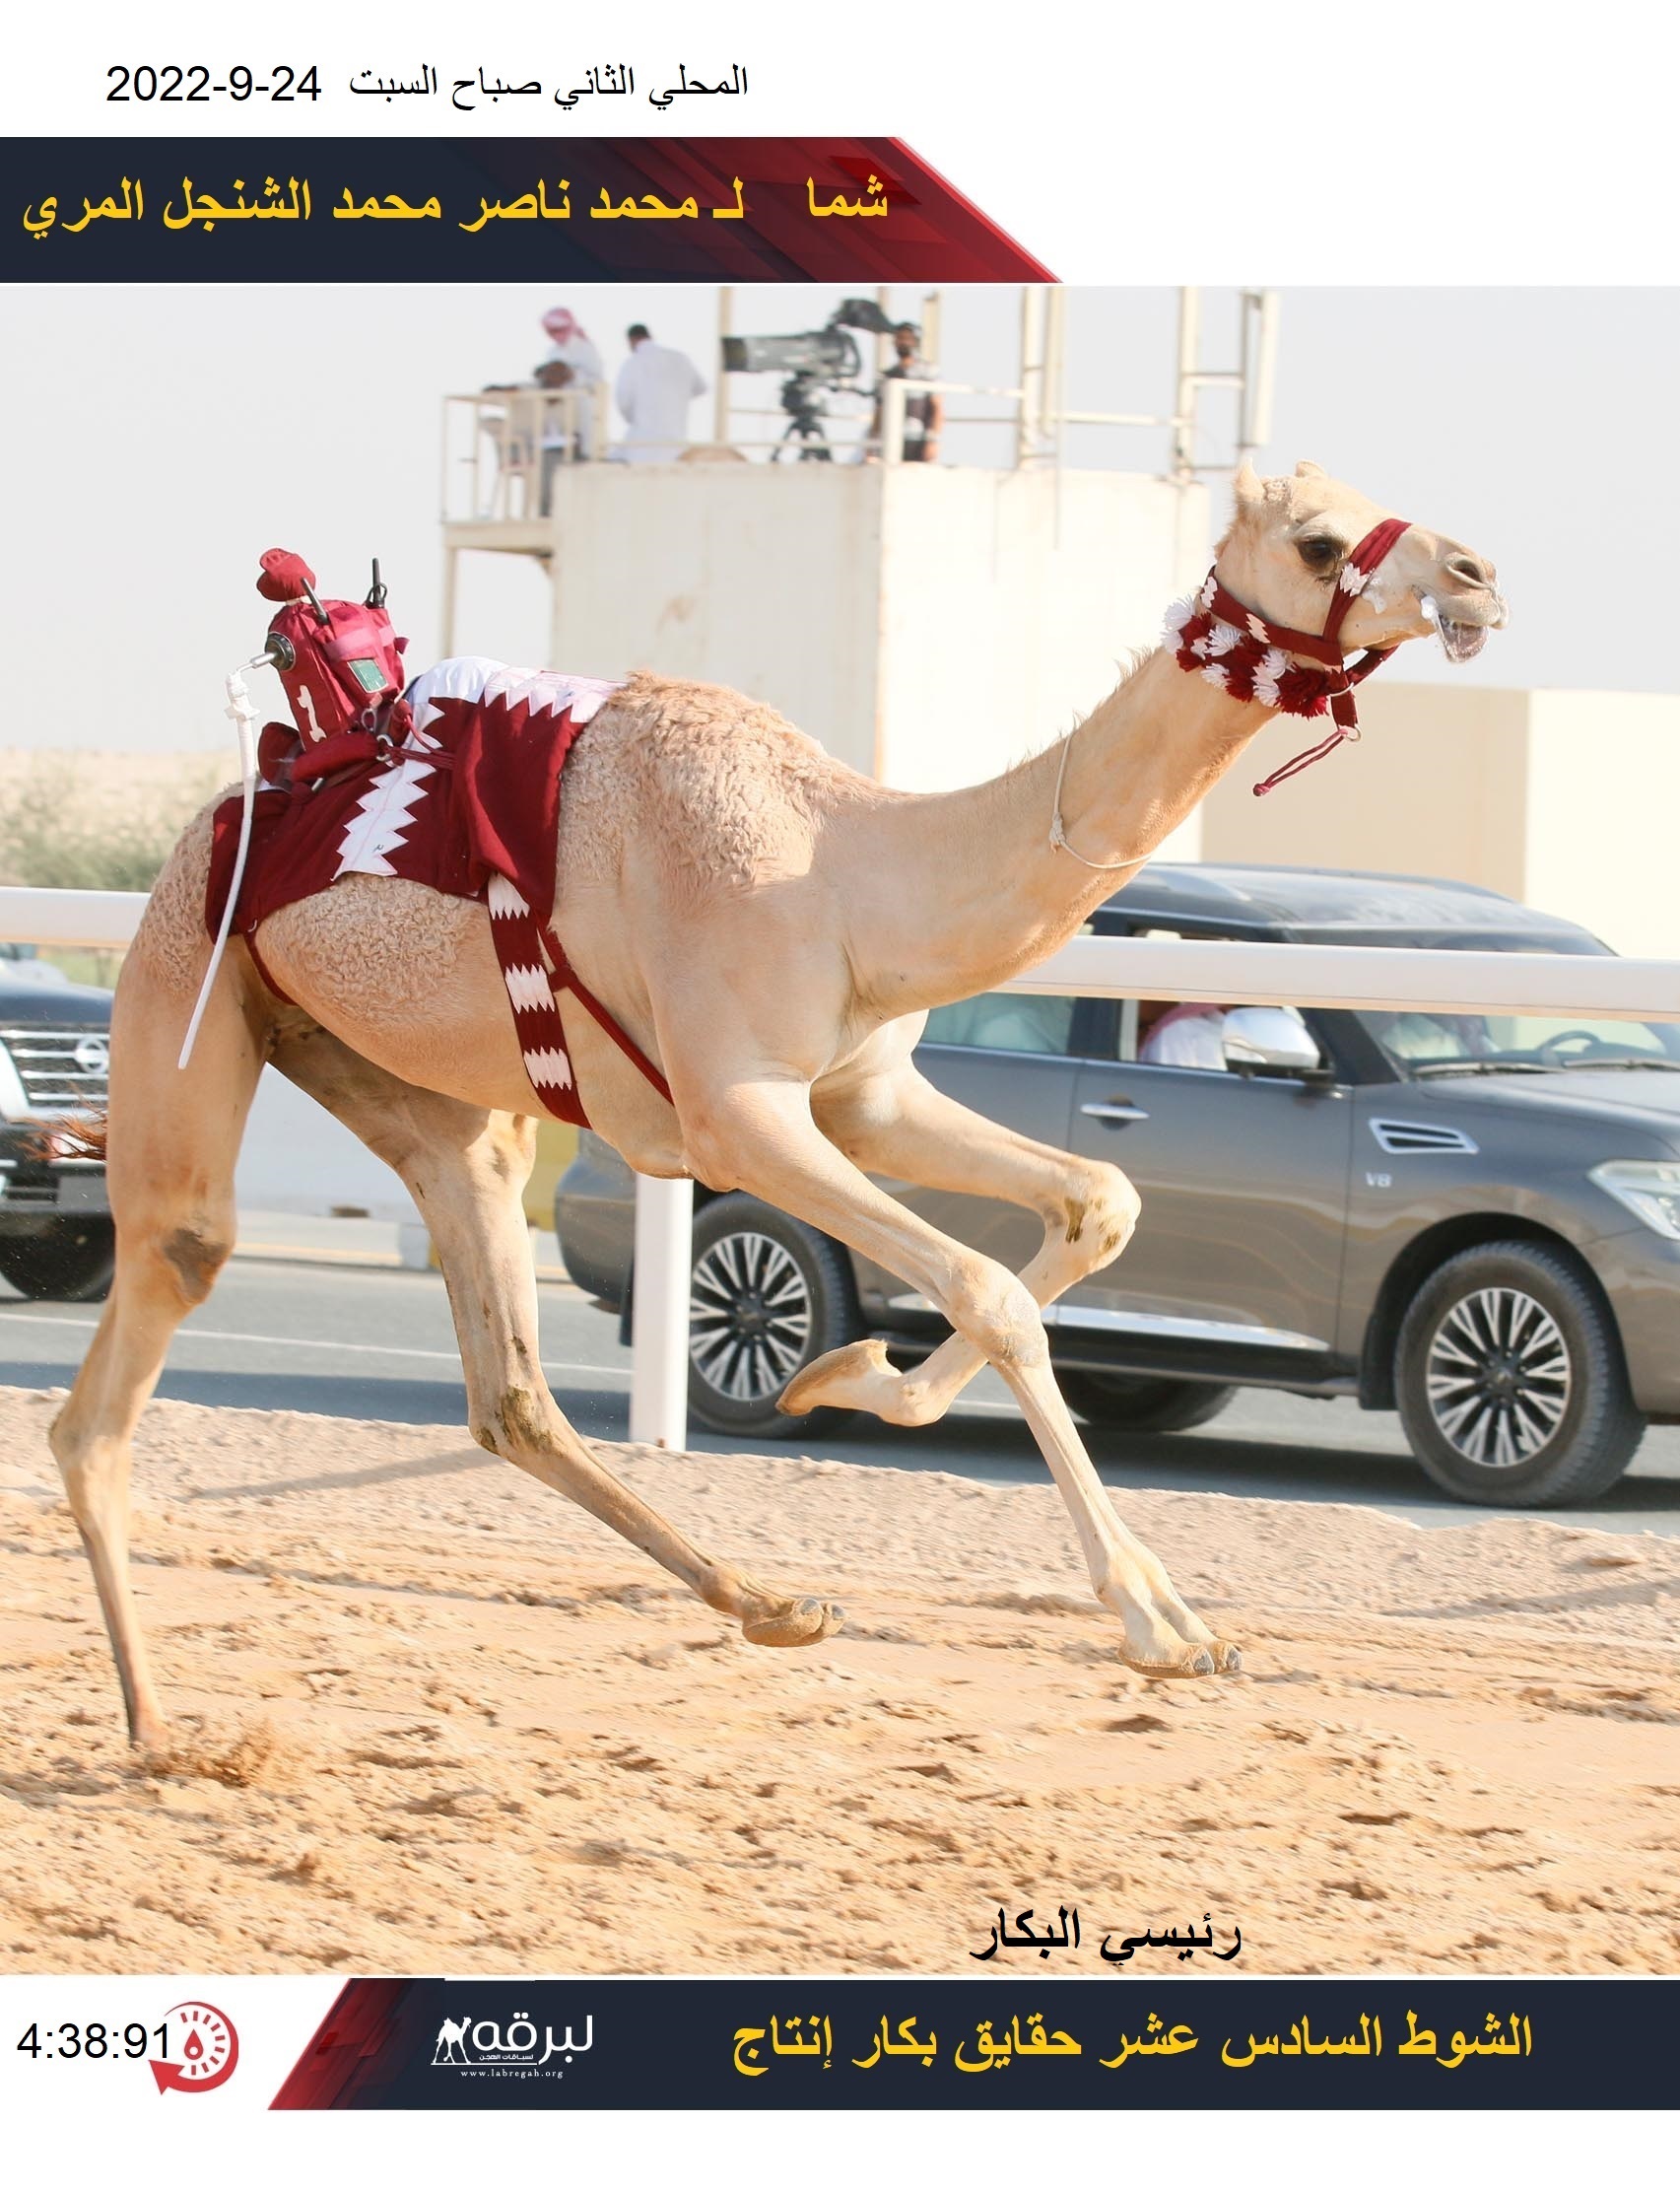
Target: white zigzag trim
x=548 y=1068
x=528 y=988
x=1353 y=581
x=504 y=900
x=382 y=818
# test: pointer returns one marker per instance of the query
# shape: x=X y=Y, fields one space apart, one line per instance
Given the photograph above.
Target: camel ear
x=1250 y=488
x=1307 y=469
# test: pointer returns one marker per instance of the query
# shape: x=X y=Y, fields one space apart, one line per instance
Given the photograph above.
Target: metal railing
x=1310 y=976
x=502 y=446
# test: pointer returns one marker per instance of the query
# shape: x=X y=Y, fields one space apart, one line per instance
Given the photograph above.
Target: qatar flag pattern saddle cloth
x=465 y=798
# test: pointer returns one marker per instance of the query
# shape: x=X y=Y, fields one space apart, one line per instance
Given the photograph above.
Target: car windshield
x=1425 y=1045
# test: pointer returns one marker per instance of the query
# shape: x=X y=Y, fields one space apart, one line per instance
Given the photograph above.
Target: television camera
x=816 y=365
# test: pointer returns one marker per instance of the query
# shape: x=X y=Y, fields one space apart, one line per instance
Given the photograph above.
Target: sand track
x=434 y=1718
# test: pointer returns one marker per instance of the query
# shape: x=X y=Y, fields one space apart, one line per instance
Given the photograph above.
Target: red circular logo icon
x=201 y=2048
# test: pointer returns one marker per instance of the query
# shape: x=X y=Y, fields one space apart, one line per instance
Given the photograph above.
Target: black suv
x=1474 y=1218
x=55 y=1226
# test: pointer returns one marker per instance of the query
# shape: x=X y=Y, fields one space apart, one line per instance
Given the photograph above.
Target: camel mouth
x=1462 y=638
x=1461 y=642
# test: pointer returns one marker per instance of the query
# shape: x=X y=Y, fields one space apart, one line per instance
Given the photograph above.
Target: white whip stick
x=242 y=714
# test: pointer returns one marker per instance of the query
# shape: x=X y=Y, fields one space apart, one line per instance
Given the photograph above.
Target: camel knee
x=993 y=1310
x=1099 y=1213
x=194 y=1256
x=516 y=1423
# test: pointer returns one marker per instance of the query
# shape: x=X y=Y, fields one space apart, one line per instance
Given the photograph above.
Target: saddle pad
x=469 y=804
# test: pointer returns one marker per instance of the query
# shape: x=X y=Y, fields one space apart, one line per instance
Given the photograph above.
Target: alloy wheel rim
x=749 y=1317
x=1499 y=1377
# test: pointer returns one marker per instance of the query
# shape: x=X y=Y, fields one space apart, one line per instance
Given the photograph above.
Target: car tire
x=72 y=1261
x=1107 y=1399
x=767 y=1295
x=1510 y=1380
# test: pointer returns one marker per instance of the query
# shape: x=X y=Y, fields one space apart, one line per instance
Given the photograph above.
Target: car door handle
x=1112 y=1114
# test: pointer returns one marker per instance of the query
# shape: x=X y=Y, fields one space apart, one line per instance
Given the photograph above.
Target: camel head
x=1290 y=539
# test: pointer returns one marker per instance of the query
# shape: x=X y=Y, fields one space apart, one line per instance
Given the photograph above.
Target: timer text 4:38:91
x=95 y=2041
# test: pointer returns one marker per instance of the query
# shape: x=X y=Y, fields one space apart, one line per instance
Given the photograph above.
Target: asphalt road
x=378 y=1344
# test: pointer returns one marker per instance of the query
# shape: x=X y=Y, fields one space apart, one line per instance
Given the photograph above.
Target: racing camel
x=767 y=930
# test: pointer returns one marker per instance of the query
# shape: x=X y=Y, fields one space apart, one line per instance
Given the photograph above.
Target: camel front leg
x=759 y=1135
x=467 y=1169
x=901 y=1125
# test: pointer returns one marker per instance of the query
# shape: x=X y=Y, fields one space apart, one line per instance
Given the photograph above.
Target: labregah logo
x=485 y=2048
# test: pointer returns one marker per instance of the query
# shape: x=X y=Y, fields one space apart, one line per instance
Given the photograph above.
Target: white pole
x=1190 y=352
x=720 y=394
x=659 y=1357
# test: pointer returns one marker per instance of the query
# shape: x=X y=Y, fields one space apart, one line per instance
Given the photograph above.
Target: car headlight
x=1650 y=1190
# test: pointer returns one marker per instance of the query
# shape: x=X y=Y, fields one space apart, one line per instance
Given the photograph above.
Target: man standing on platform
x=653 y=391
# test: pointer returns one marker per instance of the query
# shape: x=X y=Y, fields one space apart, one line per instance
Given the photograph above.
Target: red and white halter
x=1251 y=658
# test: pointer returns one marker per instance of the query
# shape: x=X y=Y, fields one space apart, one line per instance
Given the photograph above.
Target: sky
x=157 y=438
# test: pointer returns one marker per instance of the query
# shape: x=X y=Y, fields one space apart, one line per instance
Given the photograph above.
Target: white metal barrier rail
x=1311 y=976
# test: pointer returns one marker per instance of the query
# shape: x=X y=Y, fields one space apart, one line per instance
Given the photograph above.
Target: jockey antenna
x=375 y=591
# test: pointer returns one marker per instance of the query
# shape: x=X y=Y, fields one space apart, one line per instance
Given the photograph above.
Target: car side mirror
x=1267 y=1038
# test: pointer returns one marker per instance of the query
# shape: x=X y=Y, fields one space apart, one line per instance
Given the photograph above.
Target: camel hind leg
x=172 y=1137
x=466 y=1169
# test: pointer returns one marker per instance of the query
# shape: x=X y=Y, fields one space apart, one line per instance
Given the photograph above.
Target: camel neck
x=971 y=891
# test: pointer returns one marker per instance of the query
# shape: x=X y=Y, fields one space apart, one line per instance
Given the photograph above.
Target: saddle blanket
x=467 y=804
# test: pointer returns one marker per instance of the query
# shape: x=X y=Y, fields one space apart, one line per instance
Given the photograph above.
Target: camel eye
x=1318 y=552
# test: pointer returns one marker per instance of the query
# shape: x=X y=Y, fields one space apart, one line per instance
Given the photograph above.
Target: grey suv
x=1472 y=1218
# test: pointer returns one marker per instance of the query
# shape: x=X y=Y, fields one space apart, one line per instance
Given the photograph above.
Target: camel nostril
x=1471 y=569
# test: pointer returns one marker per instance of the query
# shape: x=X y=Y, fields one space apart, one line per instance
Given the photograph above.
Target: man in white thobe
x=653 y=391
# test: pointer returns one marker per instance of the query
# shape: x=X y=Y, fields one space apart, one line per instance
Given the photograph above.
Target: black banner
x=347 y=209
x=1005 y=2044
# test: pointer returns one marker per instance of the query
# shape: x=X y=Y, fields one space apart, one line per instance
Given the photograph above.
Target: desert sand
x=431 y=1717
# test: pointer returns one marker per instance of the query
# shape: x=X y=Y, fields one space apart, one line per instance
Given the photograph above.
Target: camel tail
x=84 y=1135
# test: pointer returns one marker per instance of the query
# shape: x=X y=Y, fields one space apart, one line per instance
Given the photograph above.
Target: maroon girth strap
x=1324 y=645
x=564 y=977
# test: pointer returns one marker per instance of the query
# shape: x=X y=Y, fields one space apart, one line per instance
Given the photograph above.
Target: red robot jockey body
x=339 y=662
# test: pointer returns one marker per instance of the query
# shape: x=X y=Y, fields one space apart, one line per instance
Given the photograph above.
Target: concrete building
x=1564 y=799
x=928 y=624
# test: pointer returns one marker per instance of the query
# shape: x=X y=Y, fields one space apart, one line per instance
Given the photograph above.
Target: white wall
x=757 y=576
x=296 y=1156
x=1566 y=800
x=928 y=624
x=1010 y=598
x=1603 y=807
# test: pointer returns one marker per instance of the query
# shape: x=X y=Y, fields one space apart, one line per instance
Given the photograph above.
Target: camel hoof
x=1229 y=1657
x=842 y=1378
x=801 y=1620
x=1195 y=1664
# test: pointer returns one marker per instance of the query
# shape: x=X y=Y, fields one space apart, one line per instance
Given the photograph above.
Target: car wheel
x=72 y=1261
x=1108 y=1400
x=767 y=1295
x=1511 y=1381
